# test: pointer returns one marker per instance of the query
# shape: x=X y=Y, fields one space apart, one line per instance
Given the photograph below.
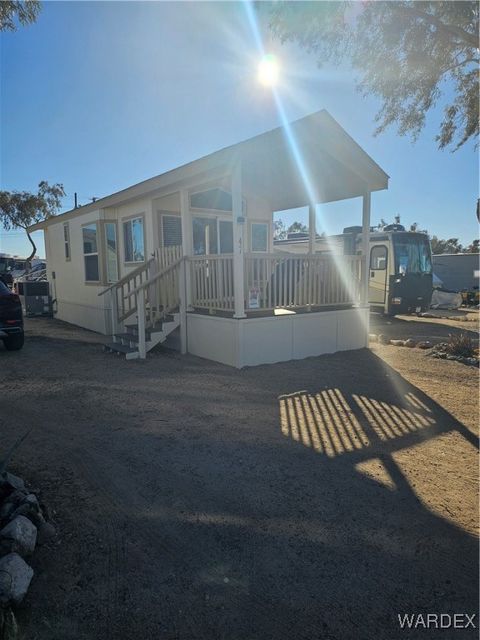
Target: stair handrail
x=156 y=277
x=129 y=276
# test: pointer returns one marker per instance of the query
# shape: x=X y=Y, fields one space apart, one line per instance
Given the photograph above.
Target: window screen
x=226 y=236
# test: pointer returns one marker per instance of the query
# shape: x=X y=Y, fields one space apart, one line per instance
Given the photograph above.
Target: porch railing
x=211 y=279
x=276 y=281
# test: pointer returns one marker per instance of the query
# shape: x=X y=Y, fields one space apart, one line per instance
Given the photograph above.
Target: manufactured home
x=191 y=250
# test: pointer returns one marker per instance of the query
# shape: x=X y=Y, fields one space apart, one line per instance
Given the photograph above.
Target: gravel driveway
x=313 y=500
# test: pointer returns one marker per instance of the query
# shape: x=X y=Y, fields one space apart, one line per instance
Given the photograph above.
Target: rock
x=14 y=482
x=383 y=339
x=46 y=532
x=397 y=343
x=28 y=511
x=372 y=337
x=8 y=625
x=471 y=361
x=410 y=343
x=15 y=577
x=426 y=344
x=20 y=535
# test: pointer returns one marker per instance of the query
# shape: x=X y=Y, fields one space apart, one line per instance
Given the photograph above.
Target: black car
x=11 y=319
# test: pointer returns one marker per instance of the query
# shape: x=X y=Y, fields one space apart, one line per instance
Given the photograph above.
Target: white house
x=193 y=248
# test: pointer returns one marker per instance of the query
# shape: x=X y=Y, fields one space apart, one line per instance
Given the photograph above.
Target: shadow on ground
x=199 y=502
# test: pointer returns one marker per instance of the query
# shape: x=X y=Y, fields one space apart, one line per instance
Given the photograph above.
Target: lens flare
x=268 y=71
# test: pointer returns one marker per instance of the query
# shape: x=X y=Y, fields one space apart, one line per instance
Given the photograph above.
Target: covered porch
x=236 y=300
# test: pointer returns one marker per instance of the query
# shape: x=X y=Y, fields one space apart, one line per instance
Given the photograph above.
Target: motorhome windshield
x=412 y=254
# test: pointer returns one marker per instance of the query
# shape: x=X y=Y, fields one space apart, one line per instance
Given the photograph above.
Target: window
x=133 y=240
x=111 y=251
x=90 y=252
x=205 y=239
x=171 y=231
x=412 y=254
x=378 y=258
x=225 y=230
x=259 y=231
x=213 y=199
x=66 y=238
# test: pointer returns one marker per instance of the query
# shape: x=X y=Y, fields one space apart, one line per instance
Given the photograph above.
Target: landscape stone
x=46 y=532
x=410 y=343
x=425 y=344
x=21 y=534
x=15 y=578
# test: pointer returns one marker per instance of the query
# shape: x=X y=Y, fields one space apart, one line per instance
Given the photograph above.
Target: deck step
x=118 y=347
x=133 y=337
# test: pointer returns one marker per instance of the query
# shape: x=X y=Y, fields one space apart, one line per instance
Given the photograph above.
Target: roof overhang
x=312 y=157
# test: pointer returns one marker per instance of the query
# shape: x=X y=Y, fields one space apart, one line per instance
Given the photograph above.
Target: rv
x=400 y=264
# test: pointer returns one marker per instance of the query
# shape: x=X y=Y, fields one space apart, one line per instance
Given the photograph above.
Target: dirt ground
x=310 y=500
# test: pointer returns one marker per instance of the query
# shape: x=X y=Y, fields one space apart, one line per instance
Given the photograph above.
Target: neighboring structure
x=457 y=271
x=194 y=247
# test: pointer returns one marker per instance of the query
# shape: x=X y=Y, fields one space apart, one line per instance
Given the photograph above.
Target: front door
x=378 y=274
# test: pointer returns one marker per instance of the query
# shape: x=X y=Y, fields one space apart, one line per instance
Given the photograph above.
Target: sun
x=268 y=71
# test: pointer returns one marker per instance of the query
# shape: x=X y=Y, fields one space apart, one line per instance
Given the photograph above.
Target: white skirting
x=280 y=338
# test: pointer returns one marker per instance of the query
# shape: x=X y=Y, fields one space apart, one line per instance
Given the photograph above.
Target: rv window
x=378 y=258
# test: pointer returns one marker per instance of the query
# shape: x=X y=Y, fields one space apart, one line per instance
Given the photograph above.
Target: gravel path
x=313 y=500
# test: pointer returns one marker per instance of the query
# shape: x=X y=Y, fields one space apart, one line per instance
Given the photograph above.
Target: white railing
x=276 y=281
x=123 y=301
x=279 y=281
x=155 y=299
x=211 y=279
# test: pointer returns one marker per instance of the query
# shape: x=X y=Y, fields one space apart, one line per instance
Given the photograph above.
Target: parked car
x=11 y=319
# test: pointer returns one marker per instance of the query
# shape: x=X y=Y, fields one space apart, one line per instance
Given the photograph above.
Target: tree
x=452 y=245
x=297 y=227
x=24 y=12
x=474 y=247
x=279 y=231
x=405 y=52
x=21 y=209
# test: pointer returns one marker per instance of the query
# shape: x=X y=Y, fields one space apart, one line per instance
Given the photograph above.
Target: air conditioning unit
x=35 y=298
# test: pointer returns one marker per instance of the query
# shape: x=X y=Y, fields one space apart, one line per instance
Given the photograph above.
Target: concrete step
x=132 y=337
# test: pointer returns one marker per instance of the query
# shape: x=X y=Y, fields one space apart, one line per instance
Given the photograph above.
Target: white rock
x=21 y=534
x=15 y=577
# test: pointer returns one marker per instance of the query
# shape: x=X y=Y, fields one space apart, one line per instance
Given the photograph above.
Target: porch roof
x=287 y=166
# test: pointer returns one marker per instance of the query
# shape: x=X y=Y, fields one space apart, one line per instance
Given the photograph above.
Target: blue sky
x=101 y=95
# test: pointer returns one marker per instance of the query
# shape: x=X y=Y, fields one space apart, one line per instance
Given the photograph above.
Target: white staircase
x=127 y=343
x=150 y=298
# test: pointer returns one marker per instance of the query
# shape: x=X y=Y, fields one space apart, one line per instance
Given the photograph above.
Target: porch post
x=187 y=243
x=312 y=231
x=238 y=244
x=365 y=248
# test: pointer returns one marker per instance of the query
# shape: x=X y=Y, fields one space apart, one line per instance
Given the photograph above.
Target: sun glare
x=268 y=71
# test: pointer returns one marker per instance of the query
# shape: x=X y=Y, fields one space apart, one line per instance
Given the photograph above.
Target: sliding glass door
x=211 y=236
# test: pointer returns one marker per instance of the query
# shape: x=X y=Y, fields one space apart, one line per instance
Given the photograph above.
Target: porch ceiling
x=325 y=161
